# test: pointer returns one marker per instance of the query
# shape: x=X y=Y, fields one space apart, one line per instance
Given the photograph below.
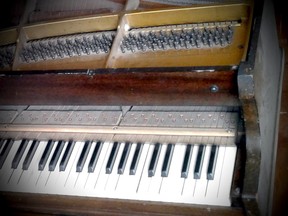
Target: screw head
x=214 y=88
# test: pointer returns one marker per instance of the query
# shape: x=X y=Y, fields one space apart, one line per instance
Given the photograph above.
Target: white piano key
x=189 y=183
x=12 y=184
x=169 y=190
x=156 y=180
x=213 y=185
x=46 y=153
x=29 y=177
x=63 y=176
x=103 y=176
x=128 y=185
x=45 y=173
x=52 y=181
x=125 y=180
x=69 y=177
x=113 y=177
x=6 y=170
x=56 y=155
x=84 y=174
x=201 y=184
x=90 y=187
x=144 y=181
x=227 y=175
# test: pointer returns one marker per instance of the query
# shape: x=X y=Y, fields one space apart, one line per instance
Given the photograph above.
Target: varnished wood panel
x=121 y=88
x=69 y=205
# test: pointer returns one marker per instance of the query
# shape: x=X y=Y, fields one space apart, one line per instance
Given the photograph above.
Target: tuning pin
x=23 y=56
x=122 y=47
x=230 y=34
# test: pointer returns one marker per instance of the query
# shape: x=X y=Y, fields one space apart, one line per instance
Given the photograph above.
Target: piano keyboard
x=163 y=154
x=193 y=173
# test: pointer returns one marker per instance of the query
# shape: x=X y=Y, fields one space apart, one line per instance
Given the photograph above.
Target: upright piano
x=129 y=108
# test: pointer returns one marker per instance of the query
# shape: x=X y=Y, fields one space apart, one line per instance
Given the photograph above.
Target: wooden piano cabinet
x=196 y=77
x=31 y=204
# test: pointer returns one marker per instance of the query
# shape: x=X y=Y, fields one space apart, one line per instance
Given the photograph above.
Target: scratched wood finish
x=123 y=88
x=30 y=204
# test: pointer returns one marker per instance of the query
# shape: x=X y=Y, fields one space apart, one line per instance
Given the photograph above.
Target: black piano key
x=95 y=156
x=83 y=156
x=212 y=162
x=5 y=151
x=124 y=157
x=19 y=153
x=112 y=157
x=56 y=155
x=45 y=155
x=167 y=160
x=135 y=159
x=154 y=160
x=1 y=143
x=30 y=154
x=199 y=162
x=66 y=155
x=186 y=161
